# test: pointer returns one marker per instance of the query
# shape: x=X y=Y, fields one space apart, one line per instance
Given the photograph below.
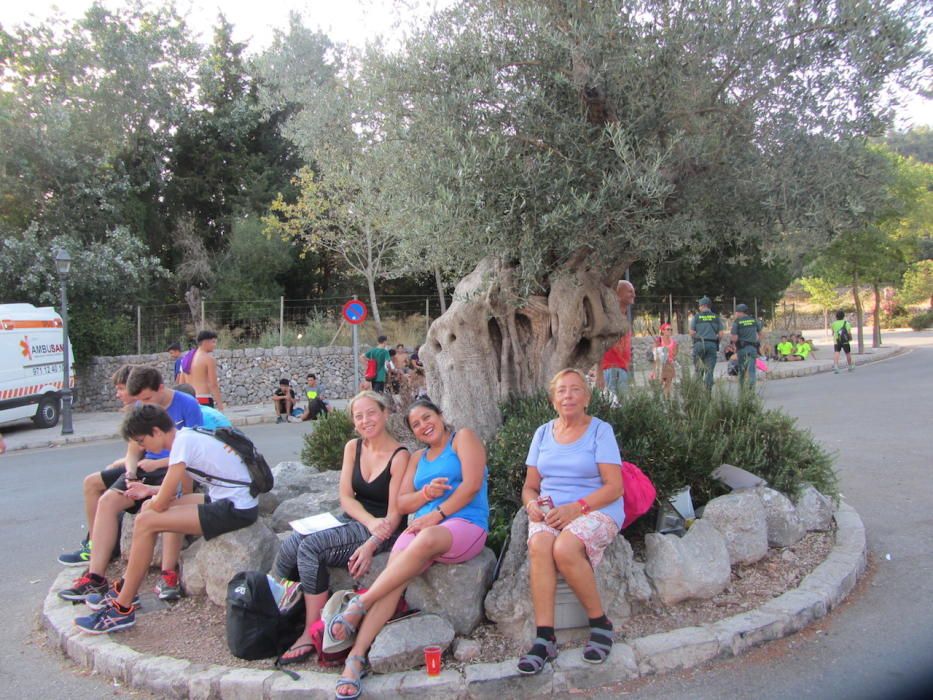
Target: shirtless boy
x=203 y=375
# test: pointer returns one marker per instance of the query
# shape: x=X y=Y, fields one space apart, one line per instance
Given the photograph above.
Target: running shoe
x=78 y=558
x=168 y=586
x=107 y=619
x=96 y=601
x=82 y=587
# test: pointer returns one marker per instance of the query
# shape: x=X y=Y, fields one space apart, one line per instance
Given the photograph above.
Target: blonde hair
x=372 y=396
x=552 y=385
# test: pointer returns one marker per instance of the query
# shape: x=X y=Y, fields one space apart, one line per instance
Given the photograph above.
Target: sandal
x=530 y=664
x=356 y=683
x=306 y=650
x=340 y=619
x=598 y=647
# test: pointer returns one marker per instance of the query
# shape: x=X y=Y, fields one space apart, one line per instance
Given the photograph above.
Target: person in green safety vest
x=842 y=336
x=317 y=406
x=784 y=349
x=706 y=330
x=746 y=334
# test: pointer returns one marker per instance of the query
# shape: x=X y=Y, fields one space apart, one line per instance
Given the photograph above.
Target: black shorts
x=220 y=517
x=840 y=347
x=110 y=476
x=153 y=478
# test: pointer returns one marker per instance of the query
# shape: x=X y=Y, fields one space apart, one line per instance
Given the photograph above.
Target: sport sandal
x=355 y=604
x=599 y=645
x=356 y=683
x=530 y=664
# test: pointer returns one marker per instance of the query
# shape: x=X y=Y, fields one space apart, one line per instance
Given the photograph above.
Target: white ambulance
x=31 y=368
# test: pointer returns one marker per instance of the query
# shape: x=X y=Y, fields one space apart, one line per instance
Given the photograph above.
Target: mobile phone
x=545 y=503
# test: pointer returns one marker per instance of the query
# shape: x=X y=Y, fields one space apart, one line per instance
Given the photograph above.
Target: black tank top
x=372 y=495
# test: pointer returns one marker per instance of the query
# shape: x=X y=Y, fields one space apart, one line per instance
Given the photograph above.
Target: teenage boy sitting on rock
x=226 y=506
x=143 y=468
x=96 y=483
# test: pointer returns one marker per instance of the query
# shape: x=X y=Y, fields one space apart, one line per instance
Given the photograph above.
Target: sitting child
x=784 y=349
x=283 y=399
x=226 y=507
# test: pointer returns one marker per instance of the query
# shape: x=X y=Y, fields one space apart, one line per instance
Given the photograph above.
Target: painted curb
x=822 y=590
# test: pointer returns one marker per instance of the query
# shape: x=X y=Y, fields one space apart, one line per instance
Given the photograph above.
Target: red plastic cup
x=432 y=660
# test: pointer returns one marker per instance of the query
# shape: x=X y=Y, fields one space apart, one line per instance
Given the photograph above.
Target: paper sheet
x=315 y=523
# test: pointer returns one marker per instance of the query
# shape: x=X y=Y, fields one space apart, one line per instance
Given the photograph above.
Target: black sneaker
x=84 y=586
x=168 y=586
x=79 y=558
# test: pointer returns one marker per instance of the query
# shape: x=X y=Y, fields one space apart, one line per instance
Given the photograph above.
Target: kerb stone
x=244 y=684
x=502 y=680
x=116 y=661
x=571 y=672
x=161 y=675
x=80 y=648
x=415 y=684
x=668 y=651
x=799 y=607
x=202 y=681
x=741 y=632
x=310 y=686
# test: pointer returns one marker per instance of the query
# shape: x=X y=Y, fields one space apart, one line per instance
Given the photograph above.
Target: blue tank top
x=447 y=463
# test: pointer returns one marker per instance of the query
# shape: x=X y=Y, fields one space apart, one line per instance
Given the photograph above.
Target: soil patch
x=194 y=628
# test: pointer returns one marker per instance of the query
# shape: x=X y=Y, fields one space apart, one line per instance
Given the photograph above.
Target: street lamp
x=63 y=264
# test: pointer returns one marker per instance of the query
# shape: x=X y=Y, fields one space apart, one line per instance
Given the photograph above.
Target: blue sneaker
x=81 y=557
x=97 y=601
x=107 y=619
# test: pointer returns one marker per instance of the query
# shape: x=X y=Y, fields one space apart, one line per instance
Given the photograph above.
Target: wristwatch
x=443 y=514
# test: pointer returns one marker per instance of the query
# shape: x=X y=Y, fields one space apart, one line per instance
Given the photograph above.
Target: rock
x=340 y=576
x=693 y=566
x=466 y=650
x=783 y=523
x=216 y=561
x=508 y=604
x=455 y=591
x=400 y=645
x=322 y=496
x=291 y=479
x=189 y=573
x=814 y=510
x=740 y=518
x=126 y=541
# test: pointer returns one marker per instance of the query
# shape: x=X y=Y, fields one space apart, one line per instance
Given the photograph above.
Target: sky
x=352 y=21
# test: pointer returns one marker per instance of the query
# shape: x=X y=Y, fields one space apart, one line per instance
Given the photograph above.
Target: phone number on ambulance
x=47 y=369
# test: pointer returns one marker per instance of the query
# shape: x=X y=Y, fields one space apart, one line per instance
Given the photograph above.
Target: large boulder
x=291 y=479
x=213 y=563
x=340 y=576
x=784 y=526
x=740 y=517
x=126 y=541
x=455 y=591
x=814 y=509
x=693 y=566
x=320 y=493
x=400 y=645
x=618 y=579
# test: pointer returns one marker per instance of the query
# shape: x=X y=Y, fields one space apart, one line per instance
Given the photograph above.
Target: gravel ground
x=194 y=629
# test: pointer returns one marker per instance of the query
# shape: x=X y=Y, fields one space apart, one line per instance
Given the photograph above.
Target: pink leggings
x=468 y=541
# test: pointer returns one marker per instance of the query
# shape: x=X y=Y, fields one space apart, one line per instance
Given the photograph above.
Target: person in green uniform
x=842 y=336
x=746 y=334
x=784 y=349
x=380 y=354
x=706 y=330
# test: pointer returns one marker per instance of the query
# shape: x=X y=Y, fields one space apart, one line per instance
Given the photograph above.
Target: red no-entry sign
x=354 y=311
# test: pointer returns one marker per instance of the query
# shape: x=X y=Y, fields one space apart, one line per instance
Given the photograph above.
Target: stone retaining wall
x=247 y=376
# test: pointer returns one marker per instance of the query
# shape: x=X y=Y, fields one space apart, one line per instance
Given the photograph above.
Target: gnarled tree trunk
x=490 y=345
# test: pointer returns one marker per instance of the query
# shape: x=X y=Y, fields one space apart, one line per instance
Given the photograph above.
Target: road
x=879 y=419
x=880 y=643
x=40 y=516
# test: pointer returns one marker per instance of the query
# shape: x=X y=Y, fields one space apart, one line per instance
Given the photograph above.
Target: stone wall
x=247 y=376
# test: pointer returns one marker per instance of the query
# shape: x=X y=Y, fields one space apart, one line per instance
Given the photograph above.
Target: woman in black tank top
x=373 y=466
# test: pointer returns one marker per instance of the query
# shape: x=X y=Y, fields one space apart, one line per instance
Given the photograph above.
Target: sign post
x=354 y=313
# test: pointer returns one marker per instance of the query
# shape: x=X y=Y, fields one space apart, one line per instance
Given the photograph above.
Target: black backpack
x=256 y=628
x=261 y=479
x=843 y=336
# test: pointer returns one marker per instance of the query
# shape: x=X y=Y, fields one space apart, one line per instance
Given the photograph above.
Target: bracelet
x=584 y=506
x=424 y=492
x=443 y=515
x=530 y=501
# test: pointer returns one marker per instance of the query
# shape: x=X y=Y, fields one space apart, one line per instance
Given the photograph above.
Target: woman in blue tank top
x=445 y=488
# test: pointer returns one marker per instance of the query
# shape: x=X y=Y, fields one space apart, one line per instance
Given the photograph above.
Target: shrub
x=678 y=442
x=922 y=320
x=323 y=447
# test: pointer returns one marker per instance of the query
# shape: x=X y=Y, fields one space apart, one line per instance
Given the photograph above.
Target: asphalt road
x=40 y=517
x=879 y=644
x=879 y=419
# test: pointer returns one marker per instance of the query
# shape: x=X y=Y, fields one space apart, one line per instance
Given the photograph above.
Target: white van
x=31 y=369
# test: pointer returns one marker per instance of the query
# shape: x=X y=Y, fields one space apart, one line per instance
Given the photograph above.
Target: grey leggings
x=306 y=557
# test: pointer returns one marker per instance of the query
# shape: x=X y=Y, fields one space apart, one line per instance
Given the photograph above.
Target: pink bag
x=761 y=365
x=639 y=493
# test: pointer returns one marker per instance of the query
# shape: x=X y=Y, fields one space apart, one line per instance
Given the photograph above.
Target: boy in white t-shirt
x=224 y=508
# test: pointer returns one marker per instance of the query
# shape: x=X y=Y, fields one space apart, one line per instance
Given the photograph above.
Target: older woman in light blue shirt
x=575 y=460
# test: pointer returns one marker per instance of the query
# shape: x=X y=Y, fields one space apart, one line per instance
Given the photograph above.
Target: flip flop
x=307 y=650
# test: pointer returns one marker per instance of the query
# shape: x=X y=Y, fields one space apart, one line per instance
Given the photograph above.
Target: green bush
x=677 y=442
x=922 y=321
x=323 y=447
